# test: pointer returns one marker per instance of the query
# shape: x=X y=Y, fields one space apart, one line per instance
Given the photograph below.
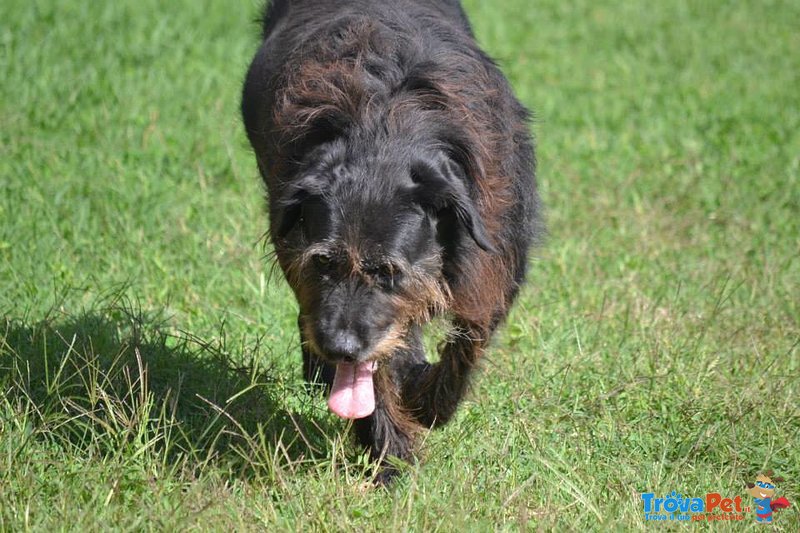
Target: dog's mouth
x=353 y=391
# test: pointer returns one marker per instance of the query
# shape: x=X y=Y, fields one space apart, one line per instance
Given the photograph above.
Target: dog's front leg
x=388 y=432
x=431 y=392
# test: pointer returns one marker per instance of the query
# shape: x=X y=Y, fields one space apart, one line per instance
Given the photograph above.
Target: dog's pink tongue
x=352 y=394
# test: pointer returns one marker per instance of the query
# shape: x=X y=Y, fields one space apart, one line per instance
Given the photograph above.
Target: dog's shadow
x=116 y=378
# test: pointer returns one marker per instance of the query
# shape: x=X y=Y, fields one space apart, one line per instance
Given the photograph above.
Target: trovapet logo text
x=676 y=507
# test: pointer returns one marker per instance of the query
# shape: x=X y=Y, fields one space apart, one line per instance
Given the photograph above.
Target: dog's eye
x=323 y=262
x=384 y=275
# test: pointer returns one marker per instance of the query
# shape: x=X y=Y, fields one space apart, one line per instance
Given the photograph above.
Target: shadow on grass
x=115 y=381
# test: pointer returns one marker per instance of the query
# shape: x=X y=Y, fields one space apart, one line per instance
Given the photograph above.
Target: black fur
x=400 y=178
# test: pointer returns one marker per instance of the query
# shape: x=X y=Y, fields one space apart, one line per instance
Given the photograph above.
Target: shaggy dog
x=400 y=174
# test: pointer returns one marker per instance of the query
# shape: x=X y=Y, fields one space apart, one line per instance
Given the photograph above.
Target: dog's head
x=367 y=237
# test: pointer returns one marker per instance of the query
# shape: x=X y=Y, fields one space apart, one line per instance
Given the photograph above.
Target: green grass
x=149 y=369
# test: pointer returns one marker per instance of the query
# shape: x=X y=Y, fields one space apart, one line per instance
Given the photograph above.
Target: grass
x=149 y=370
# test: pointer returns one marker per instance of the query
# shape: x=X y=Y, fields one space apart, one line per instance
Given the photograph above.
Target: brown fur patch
x=424 y=298
x=390 y=343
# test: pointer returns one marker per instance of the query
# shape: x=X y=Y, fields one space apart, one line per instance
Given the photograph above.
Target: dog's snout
x=343 y=345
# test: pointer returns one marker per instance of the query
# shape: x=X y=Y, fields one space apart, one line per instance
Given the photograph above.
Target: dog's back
x=321 y=11
x=290 y=26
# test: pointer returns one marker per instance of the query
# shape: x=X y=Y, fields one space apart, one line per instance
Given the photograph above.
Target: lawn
x=149 y=363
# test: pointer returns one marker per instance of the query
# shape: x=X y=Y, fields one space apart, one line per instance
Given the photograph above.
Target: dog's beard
x=353 y=392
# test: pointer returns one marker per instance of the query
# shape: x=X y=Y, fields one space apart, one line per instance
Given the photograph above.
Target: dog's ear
x=291 y=203
x=440 y=186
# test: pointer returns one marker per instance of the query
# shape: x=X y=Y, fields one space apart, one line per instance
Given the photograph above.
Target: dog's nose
x=343 y=346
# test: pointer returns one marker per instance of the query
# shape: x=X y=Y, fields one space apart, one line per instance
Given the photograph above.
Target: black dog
x=400 y=174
